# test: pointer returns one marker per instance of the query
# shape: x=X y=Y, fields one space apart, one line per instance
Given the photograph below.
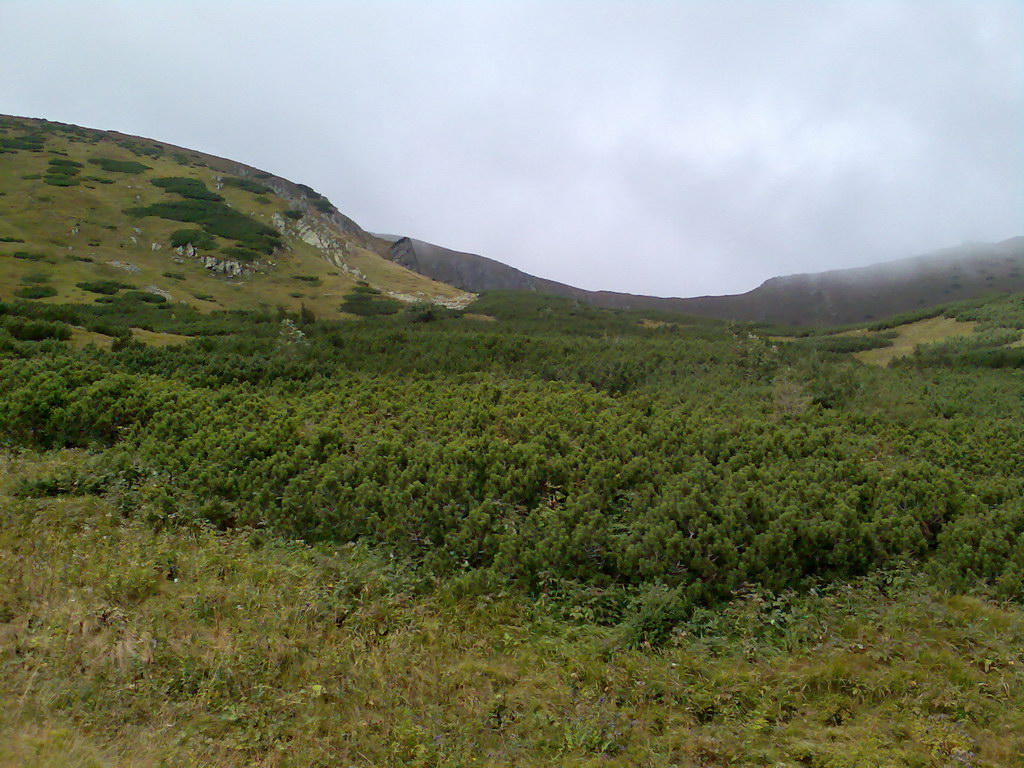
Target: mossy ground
x=123 y=643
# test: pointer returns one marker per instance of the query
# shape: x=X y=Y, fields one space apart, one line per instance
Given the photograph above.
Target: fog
x=668 y=148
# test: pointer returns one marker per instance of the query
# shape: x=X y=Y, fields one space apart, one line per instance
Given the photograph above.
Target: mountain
x=84 y=211
x=825 y=298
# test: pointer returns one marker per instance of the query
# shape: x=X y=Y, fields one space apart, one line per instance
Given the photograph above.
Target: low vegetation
x=247 y=184
x=119 y=166
x=534 y=533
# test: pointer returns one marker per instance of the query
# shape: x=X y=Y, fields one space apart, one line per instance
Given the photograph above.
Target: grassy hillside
x=74 y=221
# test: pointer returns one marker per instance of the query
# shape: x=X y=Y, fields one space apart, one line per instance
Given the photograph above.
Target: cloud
x=669 y=148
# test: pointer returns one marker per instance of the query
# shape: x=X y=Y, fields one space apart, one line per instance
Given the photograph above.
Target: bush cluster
x=119 y=166
x=247 y=184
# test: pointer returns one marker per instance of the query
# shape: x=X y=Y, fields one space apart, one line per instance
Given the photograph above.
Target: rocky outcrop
x=223 y=266
x=334 y=250
x=226 y=267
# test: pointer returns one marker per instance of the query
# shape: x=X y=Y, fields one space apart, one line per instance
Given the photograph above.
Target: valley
x=319 y=509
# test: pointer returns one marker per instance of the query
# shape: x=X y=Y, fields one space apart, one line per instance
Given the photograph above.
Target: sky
x=672 y=148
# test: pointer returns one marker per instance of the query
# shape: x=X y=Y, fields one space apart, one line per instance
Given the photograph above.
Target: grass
x=912 y=334
x=38 y=219
x=129 y=644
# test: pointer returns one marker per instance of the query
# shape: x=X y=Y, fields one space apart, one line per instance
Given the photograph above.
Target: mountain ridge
x=832 y=297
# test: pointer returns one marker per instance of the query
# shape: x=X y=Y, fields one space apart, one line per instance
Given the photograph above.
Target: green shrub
x=62 y=181
x=240 y=254
x=108 y=328
x=35 y=292
x=293 y=214
x=192 y=189
x=25 y=329
x=174 y=275
x=29 y=256
x=323 y=205
x=11 y=240
x=31 y=142
x=311 y=279
x=361 y=302
x=119 y=166
x=247 y=184
x=144 y=296
x=105 y=287
x=196 y=237
x=216 y=218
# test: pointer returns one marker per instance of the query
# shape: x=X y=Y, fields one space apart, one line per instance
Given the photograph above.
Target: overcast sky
x=670 y=148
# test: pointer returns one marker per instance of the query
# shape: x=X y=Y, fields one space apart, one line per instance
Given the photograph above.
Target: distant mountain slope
x=825 y=298
x=88 y=214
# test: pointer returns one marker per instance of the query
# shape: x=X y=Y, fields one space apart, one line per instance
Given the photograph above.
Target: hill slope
x=80 y=207
x=825 y=298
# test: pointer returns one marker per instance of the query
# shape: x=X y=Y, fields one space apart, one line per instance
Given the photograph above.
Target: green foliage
x=105 y=287
x=174 y=275
x=311 y=279
x=240 y=254
x=193 y=189
x=34 y=330
x=35 y=292
x=27 y=141
x=247 y=184
x=216 y=218
x=119 y=166
x=145 y=296
x=11 y=240
x=263 y=650
x=365 y=301
x=324 y=205
x=29 y=255
x=195 y=237
x=639 y=474
x=293 y=214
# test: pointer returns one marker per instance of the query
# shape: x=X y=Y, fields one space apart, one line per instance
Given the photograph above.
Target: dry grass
x=910 y=335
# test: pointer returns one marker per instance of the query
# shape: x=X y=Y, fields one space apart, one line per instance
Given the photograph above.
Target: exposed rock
x=457 y=302
x=155 y=247
x=158 y=292
x=223 y=267
x=127 y=266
